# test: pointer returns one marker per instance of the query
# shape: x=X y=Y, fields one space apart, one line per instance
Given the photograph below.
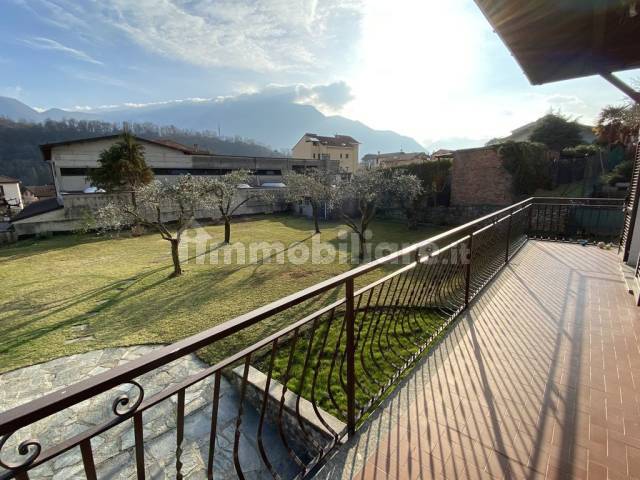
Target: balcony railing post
x=350 y=318
x=506 y=254
x=467 y=290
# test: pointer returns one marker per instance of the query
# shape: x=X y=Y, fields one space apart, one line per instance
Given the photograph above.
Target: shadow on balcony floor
x=539 y=379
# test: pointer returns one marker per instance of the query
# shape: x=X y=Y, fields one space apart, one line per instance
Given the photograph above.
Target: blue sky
x=426 y=68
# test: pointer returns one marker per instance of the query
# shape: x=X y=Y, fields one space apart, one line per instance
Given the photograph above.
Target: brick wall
x=478 y=178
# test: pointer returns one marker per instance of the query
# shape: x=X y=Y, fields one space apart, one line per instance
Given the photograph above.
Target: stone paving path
x=113 y=450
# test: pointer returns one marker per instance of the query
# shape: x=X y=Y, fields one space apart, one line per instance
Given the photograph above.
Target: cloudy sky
x=430 y=69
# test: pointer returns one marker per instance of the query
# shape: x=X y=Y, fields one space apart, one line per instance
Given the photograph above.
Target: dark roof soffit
x=555 y=40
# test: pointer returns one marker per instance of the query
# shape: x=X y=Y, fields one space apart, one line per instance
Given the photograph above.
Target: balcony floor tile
x=538 y=379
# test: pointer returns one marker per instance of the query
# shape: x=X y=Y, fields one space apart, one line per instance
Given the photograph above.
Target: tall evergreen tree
x=122 y=166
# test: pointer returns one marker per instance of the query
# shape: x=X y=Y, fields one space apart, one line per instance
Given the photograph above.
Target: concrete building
x=342 y=148
x=10 y=195
x=395 y=159
x=71 y=161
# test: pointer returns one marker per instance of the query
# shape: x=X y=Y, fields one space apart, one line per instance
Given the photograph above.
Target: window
x=1 y=191
x=314 y=155
x=191 y=171
x=340 y=156
x=346 y=155
x=75 y=172
x=325 y=156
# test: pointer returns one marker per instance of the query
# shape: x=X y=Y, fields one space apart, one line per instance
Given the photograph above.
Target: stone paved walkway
x=539 y=379
x=113 y=450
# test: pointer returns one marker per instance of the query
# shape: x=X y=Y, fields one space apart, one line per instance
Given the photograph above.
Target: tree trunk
x=137 y=230
x=315 y=212
x=361 y=245
x=227 y=230
x=177 y=268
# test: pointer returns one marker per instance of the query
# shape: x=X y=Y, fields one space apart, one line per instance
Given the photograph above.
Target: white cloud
x=13 y=92
x=329 y=98
x=42 y=43
x=259 y=35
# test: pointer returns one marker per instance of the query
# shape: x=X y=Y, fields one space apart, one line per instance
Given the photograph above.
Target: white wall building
x=10 y=193
x=71 y=161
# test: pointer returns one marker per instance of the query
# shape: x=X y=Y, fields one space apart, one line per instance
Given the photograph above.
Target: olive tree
x=223 y=195
x=315 y=185
x=169 y=208
x=367 y=190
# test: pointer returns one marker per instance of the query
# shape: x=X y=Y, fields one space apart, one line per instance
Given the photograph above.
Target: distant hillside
x=275 y=121
x=13 y=109
x=523 y=134
x=20 y=155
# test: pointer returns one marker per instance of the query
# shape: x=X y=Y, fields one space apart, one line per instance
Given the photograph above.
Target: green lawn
x=569 y=190
x=117 y=291
x=387 y=341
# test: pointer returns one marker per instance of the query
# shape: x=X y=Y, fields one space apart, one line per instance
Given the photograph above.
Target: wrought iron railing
x=307 y=387
x=577 y=219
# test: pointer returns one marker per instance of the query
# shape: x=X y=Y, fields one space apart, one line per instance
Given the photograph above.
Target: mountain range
x=273 y=121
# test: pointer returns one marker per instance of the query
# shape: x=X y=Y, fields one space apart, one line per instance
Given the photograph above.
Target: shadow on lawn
x=120 y=316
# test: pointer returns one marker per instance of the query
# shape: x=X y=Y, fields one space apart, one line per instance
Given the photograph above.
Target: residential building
x=395 y=159
x=71 y=161
x=10 y=195
x=342 y=148
x=442 y=154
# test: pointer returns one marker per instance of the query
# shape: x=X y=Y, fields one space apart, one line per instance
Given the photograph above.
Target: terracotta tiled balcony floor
x=539 y=379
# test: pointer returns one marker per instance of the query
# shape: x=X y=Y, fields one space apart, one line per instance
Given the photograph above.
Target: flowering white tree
x=314 y=185
x=223 y=196
x=183 y=198
x=368 y=189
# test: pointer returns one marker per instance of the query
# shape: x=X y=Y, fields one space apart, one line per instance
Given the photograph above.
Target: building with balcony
x=341 y=148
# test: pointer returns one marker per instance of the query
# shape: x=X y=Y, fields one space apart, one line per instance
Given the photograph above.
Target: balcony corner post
x=506 y=254
x=350 y=353
x=467 y=290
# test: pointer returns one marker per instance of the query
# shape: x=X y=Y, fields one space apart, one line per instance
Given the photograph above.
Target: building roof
x=47 y=147
x=39 y=207
x=556 y=40
x=42 y=191
x=4 y=179
x=335 y=141
x=195 y=150
x=442 y=153
x=394 y=155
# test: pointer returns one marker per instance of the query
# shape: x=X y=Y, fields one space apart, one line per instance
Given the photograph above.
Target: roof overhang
x=555 y=40
x=47 y=148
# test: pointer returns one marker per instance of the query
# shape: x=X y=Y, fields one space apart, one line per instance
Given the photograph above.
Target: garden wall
x=78 y=209
x=479 y=178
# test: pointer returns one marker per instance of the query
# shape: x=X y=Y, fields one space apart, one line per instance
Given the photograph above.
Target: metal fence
x=309 y=385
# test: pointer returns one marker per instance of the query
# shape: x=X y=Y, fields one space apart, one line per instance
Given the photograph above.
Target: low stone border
x=295 y=421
